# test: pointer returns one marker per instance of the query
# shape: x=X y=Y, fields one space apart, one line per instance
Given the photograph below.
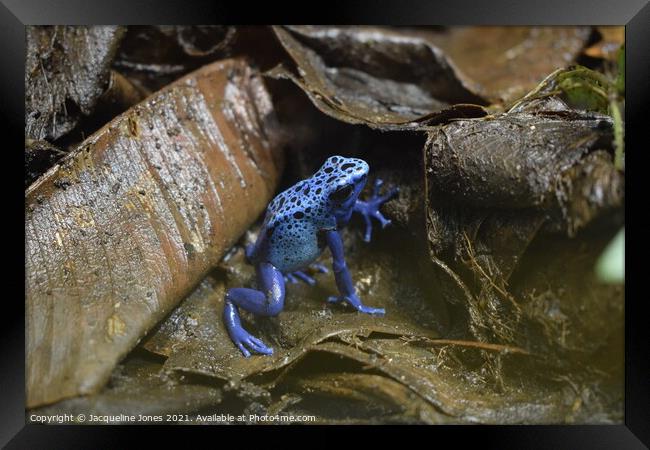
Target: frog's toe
x=247 y=343
x=370 y=310
x=304 y=277
x=368 y=232
x=333 y=299
x=320 y=267
x=383 y=220
x=248 y=252
x=243 y=349
x=378 y=184
x=259 y=346
x=293 y=277
x=290 y=278
x=389 y=195
x=370 y=208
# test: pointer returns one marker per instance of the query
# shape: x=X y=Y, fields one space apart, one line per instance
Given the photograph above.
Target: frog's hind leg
x=268 y=301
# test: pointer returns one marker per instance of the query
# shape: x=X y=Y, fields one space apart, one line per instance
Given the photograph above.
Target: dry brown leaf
x=121 y=230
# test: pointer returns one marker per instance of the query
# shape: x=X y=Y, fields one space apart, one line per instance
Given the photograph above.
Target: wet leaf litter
x=509 y=195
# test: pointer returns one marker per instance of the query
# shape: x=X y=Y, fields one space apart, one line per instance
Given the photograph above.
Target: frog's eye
x=342 y=194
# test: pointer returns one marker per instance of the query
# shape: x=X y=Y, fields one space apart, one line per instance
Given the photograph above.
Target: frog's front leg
x=268 y=301
x=370 y=208
x=343 y=278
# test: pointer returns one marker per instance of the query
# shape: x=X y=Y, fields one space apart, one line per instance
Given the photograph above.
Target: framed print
x=414 y=215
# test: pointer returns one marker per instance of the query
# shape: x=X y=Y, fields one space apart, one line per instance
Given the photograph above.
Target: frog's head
x=343 y=179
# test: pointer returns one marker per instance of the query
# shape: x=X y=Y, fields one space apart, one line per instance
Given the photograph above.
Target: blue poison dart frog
x=299 y=223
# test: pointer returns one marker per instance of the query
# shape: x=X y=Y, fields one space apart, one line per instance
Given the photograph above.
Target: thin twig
x=477 y=344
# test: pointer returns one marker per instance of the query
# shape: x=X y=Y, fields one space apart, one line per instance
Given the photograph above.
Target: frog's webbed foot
x=355 y=302
x=268 y=301
x=246 y=342
x=293 y=277
x=370 y=207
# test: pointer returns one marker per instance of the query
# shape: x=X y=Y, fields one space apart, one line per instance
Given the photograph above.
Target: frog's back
x=292 y=224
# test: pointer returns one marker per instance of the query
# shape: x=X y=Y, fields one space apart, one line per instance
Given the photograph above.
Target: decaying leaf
x=153 y=55
x=200 y=40
x=67 y=70
x=584 y=89
x=375 y=76
x=466 y=396
x=511 y=160
x=120 y=94
x=173 y=44
x=138 y=387
x=359 y=398
x=494 y=183
x=503 y=63
x=401 y=78
x=122 y=228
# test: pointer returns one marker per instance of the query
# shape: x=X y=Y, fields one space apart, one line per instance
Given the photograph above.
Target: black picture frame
x=634 y=14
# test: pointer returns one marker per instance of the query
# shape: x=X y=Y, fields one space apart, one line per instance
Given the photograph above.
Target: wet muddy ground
x=149 y=168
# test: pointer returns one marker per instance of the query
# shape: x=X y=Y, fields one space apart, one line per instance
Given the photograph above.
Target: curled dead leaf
x=123 y=227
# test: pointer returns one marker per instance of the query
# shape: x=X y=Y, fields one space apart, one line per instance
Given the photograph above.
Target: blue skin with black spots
x=299 y=223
